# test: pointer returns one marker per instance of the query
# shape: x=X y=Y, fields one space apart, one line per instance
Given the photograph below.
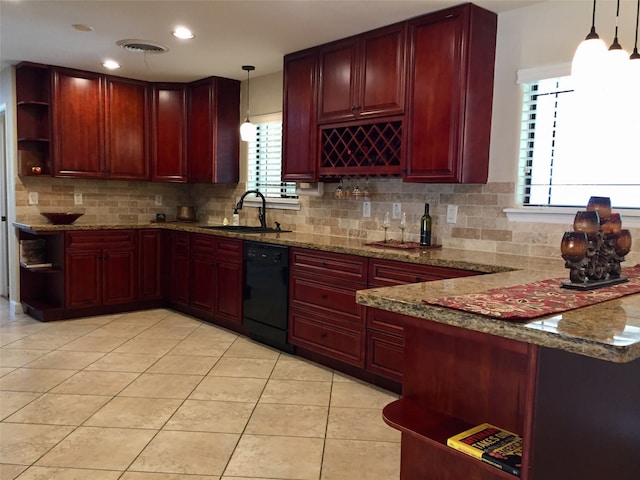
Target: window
x=573 y=147
x=265 y=160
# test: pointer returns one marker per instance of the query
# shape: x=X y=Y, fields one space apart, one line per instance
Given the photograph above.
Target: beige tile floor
x=157 y=395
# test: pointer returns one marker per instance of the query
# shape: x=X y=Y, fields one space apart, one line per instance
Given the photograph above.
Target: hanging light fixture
x=248 y=129
x=635 y=55
x=590 y=54
x=617 y=56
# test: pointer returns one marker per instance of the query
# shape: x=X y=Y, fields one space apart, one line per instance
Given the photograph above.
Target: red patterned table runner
x=523 y=302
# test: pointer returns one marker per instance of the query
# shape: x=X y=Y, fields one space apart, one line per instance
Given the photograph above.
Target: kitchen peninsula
x=568 y=383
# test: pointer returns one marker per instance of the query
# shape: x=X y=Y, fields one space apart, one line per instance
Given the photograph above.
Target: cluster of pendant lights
x=593 y=59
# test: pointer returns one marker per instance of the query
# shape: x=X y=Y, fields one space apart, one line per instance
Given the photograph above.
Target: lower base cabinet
x=100 y=268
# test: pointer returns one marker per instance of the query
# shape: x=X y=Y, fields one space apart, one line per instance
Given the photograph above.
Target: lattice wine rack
x=366 y=150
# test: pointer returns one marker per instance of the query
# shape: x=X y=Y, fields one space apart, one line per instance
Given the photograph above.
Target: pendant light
x=589 y=56
x=617 y=57
x=635 y=56
x=248 y=129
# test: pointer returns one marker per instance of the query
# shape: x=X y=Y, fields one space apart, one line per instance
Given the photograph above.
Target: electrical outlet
x=452 y=213
x=366 y=209
x=77 y=199
x=397 y=210
x=158 y=200
x=33 y=198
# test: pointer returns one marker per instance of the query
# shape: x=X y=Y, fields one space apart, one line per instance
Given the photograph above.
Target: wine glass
x=386 y=223
x=403 y=225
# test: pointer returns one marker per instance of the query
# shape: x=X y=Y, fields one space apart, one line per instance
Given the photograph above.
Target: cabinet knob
x=324 y=296
x=418 y=279
x=323 y=335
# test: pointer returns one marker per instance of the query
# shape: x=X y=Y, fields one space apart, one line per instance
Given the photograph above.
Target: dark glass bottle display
x=425 y=227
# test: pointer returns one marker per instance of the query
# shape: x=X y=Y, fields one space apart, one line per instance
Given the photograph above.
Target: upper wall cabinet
x=363 y=76
x=78 y=124
x=411 y=99
x=299 y=155
x=33 y=119
x=169 y=132
x=450 y=92
x=100 y=126
x=214 y=130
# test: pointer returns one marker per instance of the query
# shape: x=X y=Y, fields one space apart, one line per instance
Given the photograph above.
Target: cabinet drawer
x=340 y=341
x=80 y=239
x=385 y=354
x=229 y=250
x=384 y=273
x=203 y=245
x=307 y=293
x=334 y=265
x=384 y=321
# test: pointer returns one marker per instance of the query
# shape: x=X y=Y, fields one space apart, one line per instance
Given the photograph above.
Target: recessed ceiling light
x=183 y=33
x=111 y=64
x=82 y=28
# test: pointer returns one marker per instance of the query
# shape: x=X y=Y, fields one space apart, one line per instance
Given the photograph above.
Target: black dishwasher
x=266 y=293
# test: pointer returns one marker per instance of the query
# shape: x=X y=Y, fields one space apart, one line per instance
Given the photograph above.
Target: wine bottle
x=425 y=227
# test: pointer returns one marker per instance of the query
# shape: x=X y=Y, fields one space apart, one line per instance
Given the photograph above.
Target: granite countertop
x=608 y=331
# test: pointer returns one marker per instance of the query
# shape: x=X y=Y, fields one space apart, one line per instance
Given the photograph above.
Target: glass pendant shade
x=589 y=59
x=248 y=131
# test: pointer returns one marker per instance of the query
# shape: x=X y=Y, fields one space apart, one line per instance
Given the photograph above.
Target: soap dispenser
x=236 y=218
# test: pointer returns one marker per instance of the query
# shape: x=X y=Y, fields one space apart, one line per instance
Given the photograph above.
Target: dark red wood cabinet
x=178 y=267
x=323 y=315
x=100 y=126
x=33 y=107
x=300 y=149
x=385 y=334
x=450 y=92
x=78 y=124
x=100 y=268
x=363 y=76
x=213 y=130
x=150 y=260
x=126 y=129
x=169 y=132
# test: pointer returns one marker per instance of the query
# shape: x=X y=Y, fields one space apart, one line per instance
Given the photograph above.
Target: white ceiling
x=229 y=33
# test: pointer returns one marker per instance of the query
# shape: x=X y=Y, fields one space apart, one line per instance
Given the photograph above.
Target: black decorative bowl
x=62 y=218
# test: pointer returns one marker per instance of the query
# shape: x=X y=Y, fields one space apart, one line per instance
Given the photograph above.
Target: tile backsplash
x=481 y=223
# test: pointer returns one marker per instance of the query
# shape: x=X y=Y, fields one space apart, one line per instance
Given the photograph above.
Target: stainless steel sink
x=244 y=229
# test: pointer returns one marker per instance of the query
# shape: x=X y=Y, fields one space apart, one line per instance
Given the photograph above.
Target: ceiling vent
x=142 y=46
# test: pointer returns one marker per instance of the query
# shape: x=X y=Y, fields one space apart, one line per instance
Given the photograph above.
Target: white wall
x=542 y=34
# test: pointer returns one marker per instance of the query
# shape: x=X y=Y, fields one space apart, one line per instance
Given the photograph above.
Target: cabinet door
x=149 y=265
x=337 y=98
x=203 y=285
x=382 y=75
x=83 y=273
x=78 y=124
x=214 y=130
x=228 y=288
x=169 y=137
x=299 y=130
x=179 y=278
x=126 y=131
x=450 y=90
x=119 y=275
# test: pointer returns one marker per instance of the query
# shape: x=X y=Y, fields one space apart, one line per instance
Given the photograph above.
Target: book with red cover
x=492 y=445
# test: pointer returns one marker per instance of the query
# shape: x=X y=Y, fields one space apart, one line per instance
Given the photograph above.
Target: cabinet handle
x=354 y=108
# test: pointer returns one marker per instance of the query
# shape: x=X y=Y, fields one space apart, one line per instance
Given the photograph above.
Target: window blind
x=569 y=153
x=265 y=162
